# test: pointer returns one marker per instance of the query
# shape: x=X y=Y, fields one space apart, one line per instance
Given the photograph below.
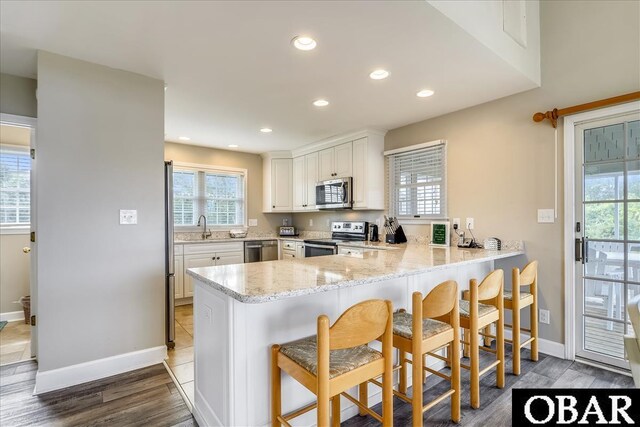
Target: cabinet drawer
x=178 y=249
x=289 y=244
x=200 y=248
x=351 y=251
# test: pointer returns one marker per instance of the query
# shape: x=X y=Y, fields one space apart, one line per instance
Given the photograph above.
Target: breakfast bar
x=241 y=310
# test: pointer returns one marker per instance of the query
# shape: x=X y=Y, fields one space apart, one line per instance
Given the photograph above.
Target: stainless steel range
x=341 y=231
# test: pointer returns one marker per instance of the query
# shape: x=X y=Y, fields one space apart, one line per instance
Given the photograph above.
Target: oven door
x=311 y=250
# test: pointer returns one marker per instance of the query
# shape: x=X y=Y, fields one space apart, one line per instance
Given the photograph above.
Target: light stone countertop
x=273 y=280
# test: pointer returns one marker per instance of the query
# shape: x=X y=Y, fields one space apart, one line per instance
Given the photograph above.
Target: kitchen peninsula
x=241 y=310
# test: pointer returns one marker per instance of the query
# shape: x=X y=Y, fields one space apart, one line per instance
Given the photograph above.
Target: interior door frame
x=569 y=123
x=31 y=123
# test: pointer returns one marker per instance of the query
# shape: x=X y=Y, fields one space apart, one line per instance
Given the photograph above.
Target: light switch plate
x=128 y=216
x=546 y=216
x=253 y=223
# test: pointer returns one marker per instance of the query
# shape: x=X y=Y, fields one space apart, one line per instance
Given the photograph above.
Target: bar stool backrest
x=491 y=285
x=360 y=324
x=529 y=274
x=441 y=300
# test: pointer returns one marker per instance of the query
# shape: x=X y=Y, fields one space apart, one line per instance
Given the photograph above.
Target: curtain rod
x=554 y=114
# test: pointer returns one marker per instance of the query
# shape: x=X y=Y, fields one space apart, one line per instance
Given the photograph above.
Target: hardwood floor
x=15 y=342
x=143 y=397
x=495 y=409
x=180 y=359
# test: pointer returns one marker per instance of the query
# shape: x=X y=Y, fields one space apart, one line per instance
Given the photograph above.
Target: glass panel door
x=607 y=234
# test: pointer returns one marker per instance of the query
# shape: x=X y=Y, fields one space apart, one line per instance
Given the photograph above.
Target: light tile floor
x=15 y=343
x=180 y=359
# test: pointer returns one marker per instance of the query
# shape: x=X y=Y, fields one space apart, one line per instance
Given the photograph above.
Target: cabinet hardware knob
x=218 y=258
x=26 y=249
x=273 y=206
x=214 y=258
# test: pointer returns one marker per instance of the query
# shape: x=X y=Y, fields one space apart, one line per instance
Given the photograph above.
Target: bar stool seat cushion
x=523 y=295
x=483 y=309
x=305 y=353
x=402 y=325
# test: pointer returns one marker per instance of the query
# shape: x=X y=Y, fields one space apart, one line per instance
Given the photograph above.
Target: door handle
x=578 y=249
x=585 y=250
x=26 y=249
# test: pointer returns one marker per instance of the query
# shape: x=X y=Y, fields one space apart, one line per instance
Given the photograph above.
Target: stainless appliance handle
x=344 y=192
x=309 y=245
x=253 y=247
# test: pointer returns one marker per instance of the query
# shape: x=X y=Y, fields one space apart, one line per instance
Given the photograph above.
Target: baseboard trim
x=56 y=379
x=12 y=316
x=552 y=348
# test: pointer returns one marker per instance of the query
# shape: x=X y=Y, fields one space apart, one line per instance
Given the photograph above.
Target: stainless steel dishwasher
x=260 y=250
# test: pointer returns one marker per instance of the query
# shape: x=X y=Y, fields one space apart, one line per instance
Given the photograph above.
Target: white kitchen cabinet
x=194 y=261
x=206 y=255
x=305 y=177
x=299 y=249
x=288 y=249
x=277 y=186
x=335 y=162
x=178 y=276
x=368 y=173
x=288 y=255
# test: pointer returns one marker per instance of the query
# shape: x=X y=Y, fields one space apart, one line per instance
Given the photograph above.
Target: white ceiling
x=230 y=67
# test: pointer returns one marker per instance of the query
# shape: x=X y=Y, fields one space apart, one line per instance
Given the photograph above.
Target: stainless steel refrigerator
x=169 y=256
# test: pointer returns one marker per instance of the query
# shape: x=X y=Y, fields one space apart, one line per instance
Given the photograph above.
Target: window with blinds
x=15 y=196
x=417 y=182
x=219 y=195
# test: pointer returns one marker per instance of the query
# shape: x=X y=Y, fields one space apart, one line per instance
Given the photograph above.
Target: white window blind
x=15 y=196
x=417 y=183
x=219 y=195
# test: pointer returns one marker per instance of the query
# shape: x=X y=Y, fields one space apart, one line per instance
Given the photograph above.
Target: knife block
x=397 y=237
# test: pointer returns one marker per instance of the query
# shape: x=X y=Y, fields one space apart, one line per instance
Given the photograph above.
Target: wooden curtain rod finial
x=551 y=115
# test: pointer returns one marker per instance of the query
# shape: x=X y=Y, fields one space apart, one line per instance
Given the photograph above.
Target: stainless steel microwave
x=335 y=194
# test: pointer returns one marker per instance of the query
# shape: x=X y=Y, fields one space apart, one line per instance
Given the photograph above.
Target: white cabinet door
x=179 y=277
x=311 y=179
x=326 y=164
x=343 y=160
x=194 y=261
x=299 y=183
x=281 y=191
x=299 y=250
x=288 y=255
x=227 y=258
x=360 y=173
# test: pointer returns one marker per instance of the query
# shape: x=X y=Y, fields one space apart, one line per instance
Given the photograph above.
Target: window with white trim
x=216 y=193
x=417 y=179
x=15 y=187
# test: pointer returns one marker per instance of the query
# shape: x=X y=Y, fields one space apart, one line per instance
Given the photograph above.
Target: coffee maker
x=373 y=233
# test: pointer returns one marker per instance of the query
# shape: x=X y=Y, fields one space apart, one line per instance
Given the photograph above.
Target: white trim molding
x=552 y=348
x=56 y=379
x=12 y=316
x=569 y=124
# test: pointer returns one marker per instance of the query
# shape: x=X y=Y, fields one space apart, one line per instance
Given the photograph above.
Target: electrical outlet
x=311 y=222
x=545 y=316
x=208 y=313
x=456 y=221
x=128 y=216
x=253 y=223
x=378 y=222
x=546 y=216
x=469 y=223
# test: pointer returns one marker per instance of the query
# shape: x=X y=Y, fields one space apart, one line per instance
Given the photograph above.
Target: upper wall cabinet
x=290 y=178
x=305 y=177
x=277 y=185
x=336 y=162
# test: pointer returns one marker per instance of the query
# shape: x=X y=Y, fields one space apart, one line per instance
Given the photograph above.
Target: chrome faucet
x=205 y=234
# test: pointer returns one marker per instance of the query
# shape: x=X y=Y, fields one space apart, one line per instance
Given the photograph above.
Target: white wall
x=18 y=95
x=100 y=148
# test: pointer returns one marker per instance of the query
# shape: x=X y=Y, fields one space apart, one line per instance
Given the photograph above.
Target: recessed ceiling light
x=379 y=74
x=266 y=130
x=184 y=138
x=232 y=145
x=425 y=93
x=304 y=43
x=321 y=103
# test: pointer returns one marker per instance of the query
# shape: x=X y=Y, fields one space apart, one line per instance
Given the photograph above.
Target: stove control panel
x=353 y=227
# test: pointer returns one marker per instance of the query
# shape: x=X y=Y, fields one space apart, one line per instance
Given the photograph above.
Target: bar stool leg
x=465 y=338
x=534 y=329
x=487 y=340
x=402 y=386
x=363 y=396
x=454 y=351
x=474 y=353
x=276 y=393
x=416 y=397
x=516 y=338
x=500 y=352
x=335 y=411
x=424 y=373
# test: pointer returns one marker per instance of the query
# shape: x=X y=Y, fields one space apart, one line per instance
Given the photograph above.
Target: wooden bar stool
x=481 y=306
x=432 y=325
x=336 y=359
x=517 y=300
